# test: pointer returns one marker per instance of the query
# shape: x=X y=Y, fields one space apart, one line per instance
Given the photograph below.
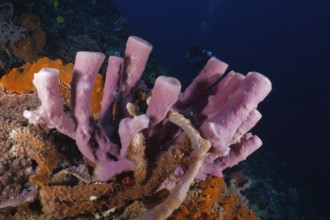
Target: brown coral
x=15 y=187
x=36 y=146
x=66 y=201
x=27 y=49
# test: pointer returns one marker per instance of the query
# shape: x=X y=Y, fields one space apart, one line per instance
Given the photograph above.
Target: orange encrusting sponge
x=19 y=80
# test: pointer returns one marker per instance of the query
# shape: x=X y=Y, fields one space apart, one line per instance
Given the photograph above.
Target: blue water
x=287 y=40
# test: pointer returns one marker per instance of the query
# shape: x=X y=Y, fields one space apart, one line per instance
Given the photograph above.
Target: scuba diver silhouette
x=197 y=58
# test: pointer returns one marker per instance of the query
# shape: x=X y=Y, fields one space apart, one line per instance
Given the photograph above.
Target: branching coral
x=179 y=139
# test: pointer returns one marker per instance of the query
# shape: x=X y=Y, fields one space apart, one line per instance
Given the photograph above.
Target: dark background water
x=288 y=41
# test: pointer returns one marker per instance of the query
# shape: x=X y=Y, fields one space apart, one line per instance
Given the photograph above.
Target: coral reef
x=150 y=156
x=21 y=37
x=14 y=171
x=31 y=144
x=29 y=48
x=83 y=26
x=10 y=33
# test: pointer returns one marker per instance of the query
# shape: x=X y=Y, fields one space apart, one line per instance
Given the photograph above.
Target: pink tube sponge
x=221 y=126
x=222 y=113
x=164 y=95
x=51 y=110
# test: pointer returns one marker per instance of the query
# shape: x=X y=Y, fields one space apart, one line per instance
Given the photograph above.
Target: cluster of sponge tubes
x=221 y=113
